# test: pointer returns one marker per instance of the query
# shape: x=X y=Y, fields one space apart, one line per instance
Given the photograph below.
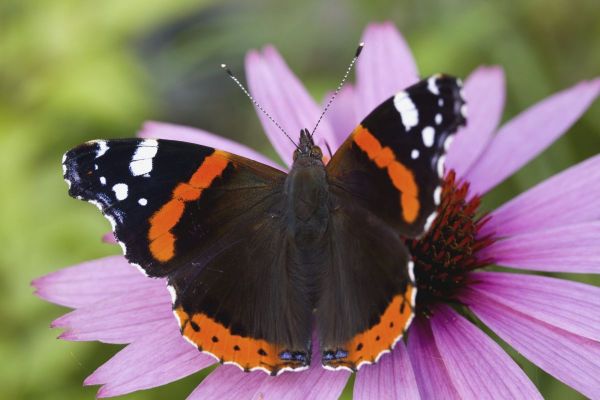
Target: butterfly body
x=262 y=264
x=307 y=197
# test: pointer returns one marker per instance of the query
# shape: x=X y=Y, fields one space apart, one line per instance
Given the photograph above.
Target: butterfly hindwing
x=212 y=223
x=368 y=297
x=384 y=187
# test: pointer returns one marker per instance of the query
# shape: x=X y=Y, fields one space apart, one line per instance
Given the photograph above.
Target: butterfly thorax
x=307 y=195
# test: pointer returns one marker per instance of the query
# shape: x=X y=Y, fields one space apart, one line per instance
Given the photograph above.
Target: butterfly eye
x=316 y=152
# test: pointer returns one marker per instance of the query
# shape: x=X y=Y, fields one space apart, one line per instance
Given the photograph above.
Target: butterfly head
x=307 y=148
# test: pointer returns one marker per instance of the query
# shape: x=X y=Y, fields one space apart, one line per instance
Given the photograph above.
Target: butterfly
x=255 y=258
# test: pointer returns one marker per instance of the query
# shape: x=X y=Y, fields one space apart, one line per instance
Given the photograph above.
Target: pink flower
x=553 y=227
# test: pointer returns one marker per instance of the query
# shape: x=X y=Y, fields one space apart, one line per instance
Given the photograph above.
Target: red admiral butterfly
x=254 y=256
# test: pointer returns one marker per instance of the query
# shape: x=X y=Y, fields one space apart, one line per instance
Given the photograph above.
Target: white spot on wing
x=429 y=221
x=463 y=110
x=140 y=167
x=102 y=148
x=414 y=154
x=142 y=201
x=407 y=110
x=171 y=290
x=141 y=162
x=411 y=271
x=441 y=102
x=432 y=85
x=428 y=134
x=440 y=166
x=438 y=119
x=120 y=190
x=103 y=180
x=437 y=195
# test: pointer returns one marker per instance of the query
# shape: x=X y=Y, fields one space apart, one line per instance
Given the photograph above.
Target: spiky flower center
x=448 y=252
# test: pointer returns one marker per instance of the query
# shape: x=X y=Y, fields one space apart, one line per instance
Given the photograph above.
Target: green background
x=71 y=71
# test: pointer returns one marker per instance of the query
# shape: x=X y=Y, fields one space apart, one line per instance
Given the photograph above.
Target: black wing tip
x=78 y=163
x=454 y=87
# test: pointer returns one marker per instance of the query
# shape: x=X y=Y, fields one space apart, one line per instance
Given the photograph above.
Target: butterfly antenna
x=333 y=96
x=237 y=81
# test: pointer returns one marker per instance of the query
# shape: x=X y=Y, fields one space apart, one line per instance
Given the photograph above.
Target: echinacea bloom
x=553 y=227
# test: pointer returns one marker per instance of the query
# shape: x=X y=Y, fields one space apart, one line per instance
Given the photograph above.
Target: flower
x=552 y=227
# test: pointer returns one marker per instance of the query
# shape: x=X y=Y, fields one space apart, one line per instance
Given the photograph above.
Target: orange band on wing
x=162 y=241
x=368 y=346
x=402 y=178
x=247 y=353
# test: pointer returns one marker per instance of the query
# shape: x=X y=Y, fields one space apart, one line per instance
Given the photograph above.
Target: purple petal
x=478 y=366
x=571 y=306
x=109 y=238
x=229 y=382
x=160 y=357
x=484 y=94
x=342 y=115
x=430 y=371
x=529 y=133
x=570 y=358
x=385 y=67
x=160 y=130
x=89 y=282
x=572 y=248
x=282 y=95
x=119 y=319
x=570 y=197
x=392 y=377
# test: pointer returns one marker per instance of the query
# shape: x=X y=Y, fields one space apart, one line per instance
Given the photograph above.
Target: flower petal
x=160 y=357
x=430 y=371
x=570 y=358
x=484 y=95
x=570 y=197
x=109 y=238
x=161 y=130
x=571 y=306
x=529 y=133
x=385 y=67
x=229 y=382
x=572 y=248
x=89 y=282
x=119 y=319
x=342 y=115
x=478 y=366
x=279 y=91
x=392 y=377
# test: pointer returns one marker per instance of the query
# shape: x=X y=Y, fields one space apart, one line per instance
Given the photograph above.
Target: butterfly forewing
x=393 y=162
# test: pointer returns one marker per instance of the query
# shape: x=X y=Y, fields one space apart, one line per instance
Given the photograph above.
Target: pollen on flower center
x=448 y=252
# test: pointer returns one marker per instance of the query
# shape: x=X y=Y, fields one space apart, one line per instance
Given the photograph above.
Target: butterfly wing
x=393 y=162
x=385 y=185
x=211 y=223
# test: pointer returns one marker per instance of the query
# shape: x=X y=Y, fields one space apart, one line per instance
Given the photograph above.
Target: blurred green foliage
x=74 y=70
